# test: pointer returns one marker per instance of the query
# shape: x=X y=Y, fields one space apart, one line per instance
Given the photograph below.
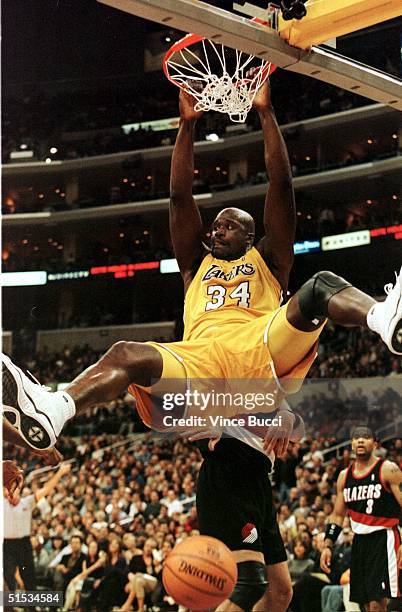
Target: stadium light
x=23 y=279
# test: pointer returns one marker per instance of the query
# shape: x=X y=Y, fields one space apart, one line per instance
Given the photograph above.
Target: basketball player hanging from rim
x=235 y=327
x=370 y=492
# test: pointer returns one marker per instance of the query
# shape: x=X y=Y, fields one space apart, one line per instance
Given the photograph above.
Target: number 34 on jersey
x=219 y=294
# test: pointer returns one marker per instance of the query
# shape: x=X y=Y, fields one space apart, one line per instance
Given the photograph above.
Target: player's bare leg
x=124 y=364
x=40 y=415
x=279 y=592
x=229 y=606
x=327 y=295
x=377 y=606
x=241 y=556
x=349 y=308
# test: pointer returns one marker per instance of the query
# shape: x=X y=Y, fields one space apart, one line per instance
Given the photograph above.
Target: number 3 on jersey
x=218 y=296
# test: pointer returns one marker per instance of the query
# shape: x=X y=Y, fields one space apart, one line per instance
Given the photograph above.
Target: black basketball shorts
x=374 y=573
x=234 y=505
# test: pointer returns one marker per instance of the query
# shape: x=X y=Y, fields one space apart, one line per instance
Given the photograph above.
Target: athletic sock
x=65 y=403
x=375 y=318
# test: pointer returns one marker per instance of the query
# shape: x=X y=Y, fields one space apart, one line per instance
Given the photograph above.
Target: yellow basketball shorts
x=267 y=355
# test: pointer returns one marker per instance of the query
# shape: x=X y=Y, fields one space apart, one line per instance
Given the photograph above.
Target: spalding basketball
x=200 y=572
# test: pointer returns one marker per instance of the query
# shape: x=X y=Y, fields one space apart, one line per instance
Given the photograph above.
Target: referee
x=17 y=530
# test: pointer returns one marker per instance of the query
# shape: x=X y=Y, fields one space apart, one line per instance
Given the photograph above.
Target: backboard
x=239 y=32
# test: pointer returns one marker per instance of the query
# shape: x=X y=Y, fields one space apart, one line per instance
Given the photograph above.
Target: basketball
x=200 y=572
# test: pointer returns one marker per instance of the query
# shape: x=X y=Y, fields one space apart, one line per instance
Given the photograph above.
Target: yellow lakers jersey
x=224 y=293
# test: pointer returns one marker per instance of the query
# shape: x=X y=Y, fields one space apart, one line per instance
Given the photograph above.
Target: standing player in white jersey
x=370 y=492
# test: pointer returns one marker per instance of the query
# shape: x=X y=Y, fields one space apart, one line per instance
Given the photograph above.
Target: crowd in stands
x=140 y=184
x=313 y=222
x=86 y=122
x=349 y=353
x=103 y=534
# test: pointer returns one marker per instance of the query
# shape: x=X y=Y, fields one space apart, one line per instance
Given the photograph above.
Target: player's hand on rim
x=187 y=102
x=262 y=98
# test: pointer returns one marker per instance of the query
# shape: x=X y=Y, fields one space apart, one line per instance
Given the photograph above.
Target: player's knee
x=141 y=361
x=123 y=352
x=251 y=584
x=377 y=606
x=314 y=295
x=131 y=353
x=282 y=594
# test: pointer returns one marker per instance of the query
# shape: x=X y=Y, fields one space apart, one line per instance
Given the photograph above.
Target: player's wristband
x=332 y=532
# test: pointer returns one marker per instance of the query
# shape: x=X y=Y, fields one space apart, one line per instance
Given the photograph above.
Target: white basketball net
x=224 y=92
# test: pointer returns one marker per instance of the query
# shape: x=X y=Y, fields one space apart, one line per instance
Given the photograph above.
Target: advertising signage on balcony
x=346 y=241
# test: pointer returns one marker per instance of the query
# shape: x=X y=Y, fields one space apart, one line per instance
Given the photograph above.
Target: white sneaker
x=386 y=317
x=39 y=415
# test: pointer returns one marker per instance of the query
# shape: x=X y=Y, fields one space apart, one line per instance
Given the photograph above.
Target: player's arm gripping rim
x=334 y=526
x=276 y=247
x=184 y=216
x=392 y=476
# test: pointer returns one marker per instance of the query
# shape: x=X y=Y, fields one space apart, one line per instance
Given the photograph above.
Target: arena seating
x=147 y=492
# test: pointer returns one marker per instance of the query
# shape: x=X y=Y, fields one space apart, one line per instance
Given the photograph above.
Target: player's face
x=363 y=446
x=229 y=238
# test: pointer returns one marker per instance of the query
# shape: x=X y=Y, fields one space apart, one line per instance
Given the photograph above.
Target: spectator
x=302 y=509
x=110 y=587
x=153 y=507
x=72 y=564
x=92 y=569
x=301 y=562
x=41 y=559
x=142 y=575
x=172 y=503
x=307 y=590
